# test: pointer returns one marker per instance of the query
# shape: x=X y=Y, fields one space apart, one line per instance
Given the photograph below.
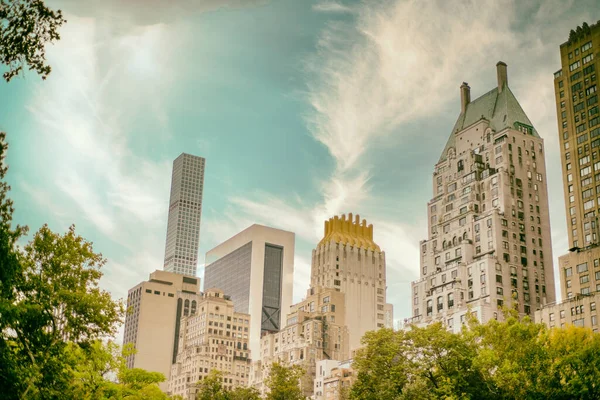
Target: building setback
x=152 y=321
x=348 y=260
x=315 y=330
x=578 y=113
x=214 y=337
x=488 y=222
x=256 y=269
x=185 y=209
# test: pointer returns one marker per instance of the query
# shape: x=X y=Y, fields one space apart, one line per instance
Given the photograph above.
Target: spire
x=465 y=96
x=501 y=72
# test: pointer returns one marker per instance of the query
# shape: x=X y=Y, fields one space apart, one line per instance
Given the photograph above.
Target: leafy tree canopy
x=25 y=28
x=284 y=382
x=499 y=360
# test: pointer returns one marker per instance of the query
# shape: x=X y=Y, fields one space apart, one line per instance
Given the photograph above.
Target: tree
x=25 y=28
x=512 y=356
x=441 y=362
x=90 y=364
x=57 y=300
x=10 y=269
x=244 y=393
x=211 y=387
x=284 y=382
x=137 y=383
x=49 y=296
x=574 y=364
x=381 y=366
x=420 y=363
x=512 y=359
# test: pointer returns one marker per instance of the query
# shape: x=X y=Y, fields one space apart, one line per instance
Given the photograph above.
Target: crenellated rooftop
x=348 y=231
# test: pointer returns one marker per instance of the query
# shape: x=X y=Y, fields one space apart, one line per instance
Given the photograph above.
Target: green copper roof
x=500 y=108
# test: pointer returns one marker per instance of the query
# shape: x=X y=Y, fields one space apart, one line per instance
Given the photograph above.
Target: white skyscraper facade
x=255 y=268
x=185 y=208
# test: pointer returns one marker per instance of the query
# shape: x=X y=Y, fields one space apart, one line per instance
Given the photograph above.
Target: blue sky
x=302 y=109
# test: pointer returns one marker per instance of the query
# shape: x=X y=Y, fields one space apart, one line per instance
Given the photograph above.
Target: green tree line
x=513 y=359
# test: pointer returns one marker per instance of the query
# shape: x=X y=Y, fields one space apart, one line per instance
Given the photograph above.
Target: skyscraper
x=348 y=260
x=579 y=126
x=152 y=322
x=578 y=112
x=488 y=222
x=185 y=208
x=255 y=268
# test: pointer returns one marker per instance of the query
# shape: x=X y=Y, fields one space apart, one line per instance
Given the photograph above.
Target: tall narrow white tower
x=185 y=208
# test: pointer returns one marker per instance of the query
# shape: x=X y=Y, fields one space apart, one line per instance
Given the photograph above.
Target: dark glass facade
x=271 y=298
x=231 y=274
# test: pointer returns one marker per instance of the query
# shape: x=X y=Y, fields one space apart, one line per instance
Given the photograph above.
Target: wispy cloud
x=399 y=62
x=332 y=7
x=395 y=63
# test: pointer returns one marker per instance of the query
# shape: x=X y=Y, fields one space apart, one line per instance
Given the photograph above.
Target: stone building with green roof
x=489 y=241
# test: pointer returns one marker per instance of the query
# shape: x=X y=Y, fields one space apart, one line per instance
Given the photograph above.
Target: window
x=568 y=272
x=585 y=171
x=587 y=58
x=574 y=66
x=581 y=268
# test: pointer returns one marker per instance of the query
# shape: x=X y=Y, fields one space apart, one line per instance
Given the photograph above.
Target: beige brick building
x=333 y=379
x=578 y=113
x=489 y=239
x=315 y=330
x=348 y=260
x=154 y=308
x=212 y=337
x=579 y=310
x=339 y=381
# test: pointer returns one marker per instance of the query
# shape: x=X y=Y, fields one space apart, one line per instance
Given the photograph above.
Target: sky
x=303 y=109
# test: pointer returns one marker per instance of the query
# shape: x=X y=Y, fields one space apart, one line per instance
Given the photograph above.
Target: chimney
x=502 y=75
x=465 y=96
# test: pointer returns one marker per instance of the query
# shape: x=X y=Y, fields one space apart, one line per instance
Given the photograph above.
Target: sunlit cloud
x=332 y=7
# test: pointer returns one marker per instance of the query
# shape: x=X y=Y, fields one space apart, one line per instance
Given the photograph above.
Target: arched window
x=454 y=241
x=186 y=307
x=465 y=236
x=193 y=307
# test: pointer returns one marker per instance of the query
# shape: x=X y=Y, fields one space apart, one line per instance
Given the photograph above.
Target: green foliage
x=498 y=360
x=56 y=300
x=211 y=388
x=51 y=309
x=25 y=28
x=89 y=364
x=244 y=393
x=284 y=382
